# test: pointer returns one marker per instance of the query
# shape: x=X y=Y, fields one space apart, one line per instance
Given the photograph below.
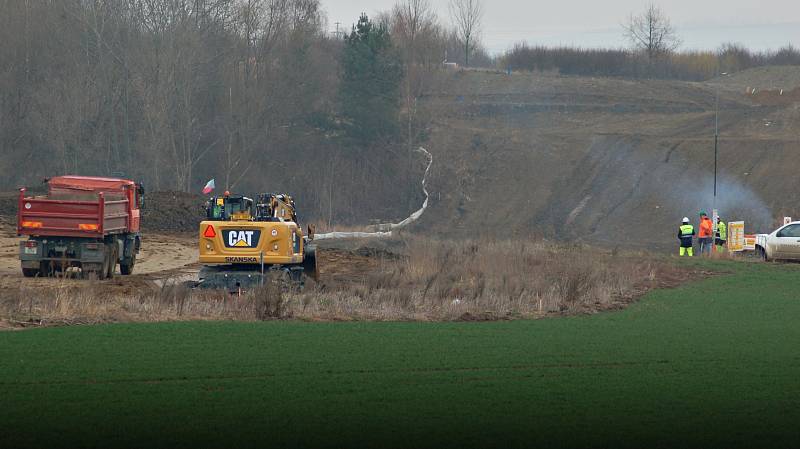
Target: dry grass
x=92 y=302
x=722 y=255
x=431 y=280
x=445 y=280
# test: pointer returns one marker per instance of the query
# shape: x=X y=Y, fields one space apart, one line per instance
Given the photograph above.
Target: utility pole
x=27 y=43
x=337 y=29
x=716 y=157
x=716 y=138
x=716 y=143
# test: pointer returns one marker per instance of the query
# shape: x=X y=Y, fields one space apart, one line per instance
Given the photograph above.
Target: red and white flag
x=210 y=186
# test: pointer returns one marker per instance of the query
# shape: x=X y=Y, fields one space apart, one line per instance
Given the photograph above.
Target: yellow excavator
x=243 y=242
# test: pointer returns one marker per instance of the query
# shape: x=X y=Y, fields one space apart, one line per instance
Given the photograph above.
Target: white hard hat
x=686 y=219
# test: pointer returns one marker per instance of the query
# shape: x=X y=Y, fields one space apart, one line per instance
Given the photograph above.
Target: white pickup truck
x=781 y=244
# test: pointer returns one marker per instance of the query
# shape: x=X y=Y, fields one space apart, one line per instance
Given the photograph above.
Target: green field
x=715 y=363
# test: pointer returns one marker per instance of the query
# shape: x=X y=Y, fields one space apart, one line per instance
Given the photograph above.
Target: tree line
x=254 y=93
x=653 y=53
x=686 y=65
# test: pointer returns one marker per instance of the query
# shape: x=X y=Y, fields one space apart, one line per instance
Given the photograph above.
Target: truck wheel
x=103 y=271
x=310 y=262
x=30 y=272
x=45 y=269
x=126 y=268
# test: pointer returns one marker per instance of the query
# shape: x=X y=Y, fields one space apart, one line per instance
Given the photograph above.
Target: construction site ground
x=172 y=257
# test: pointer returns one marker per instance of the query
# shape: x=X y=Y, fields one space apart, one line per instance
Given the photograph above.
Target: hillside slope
x=609 y=161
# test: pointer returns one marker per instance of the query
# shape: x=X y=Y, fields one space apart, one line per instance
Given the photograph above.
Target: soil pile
x=8 y=207
x=172 y=212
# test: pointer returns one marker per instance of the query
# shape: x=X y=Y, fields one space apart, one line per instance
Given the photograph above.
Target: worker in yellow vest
x=686 y=235
x=721 y=236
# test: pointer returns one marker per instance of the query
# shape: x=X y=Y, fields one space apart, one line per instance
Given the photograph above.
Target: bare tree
x=174 y=92
x=652 y=33
x=467 y=16
x=415 y=31
x=409 y=19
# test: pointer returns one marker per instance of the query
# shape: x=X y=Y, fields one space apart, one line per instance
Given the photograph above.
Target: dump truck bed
x=91 y=215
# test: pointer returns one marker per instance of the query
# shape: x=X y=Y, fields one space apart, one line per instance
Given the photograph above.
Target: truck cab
x=782 y=244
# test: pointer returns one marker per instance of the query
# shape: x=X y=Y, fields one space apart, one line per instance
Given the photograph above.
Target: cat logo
x=241 y=238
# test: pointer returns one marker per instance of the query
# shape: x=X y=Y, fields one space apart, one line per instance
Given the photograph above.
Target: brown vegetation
x=664 y=63
x=445 y=280
x=429 y=280
x=94 y=303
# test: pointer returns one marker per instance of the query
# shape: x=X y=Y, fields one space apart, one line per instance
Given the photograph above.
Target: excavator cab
x=229 y=208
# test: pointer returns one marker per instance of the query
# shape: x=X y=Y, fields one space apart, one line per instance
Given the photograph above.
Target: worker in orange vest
x=705 y=234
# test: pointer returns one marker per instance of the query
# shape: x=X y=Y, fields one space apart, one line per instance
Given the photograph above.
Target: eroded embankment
x=605 y=161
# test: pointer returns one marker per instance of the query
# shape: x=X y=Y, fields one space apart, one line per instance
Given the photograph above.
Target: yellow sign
x=736 y=236
x=749 y=242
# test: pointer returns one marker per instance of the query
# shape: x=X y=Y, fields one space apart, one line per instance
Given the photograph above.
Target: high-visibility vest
x=706 y=228
x=722 y=231
x=686 y=230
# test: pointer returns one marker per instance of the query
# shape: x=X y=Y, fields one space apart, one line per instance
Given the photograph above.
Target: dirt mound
x=172 y=212
x=8 y=207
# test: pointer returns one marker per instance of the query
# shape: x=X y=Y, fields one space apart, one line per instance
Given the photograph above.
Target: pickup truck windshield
x=790 y=231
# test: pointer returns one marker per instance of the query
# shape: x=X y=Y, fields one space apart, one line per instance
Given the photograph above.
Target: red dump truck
x=82 y=222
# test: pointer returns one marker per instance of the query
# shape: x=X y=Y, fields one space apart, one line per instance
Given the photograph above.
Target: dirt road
x=168 y=257
x=162 y=256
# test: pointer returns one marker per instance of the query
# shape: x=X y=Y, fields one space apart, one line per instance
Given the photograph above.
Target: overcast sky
x=702 y=24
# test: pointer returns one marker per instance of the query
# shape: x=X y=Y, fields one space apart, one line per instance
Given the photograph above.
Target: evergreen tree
x=370 y=88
